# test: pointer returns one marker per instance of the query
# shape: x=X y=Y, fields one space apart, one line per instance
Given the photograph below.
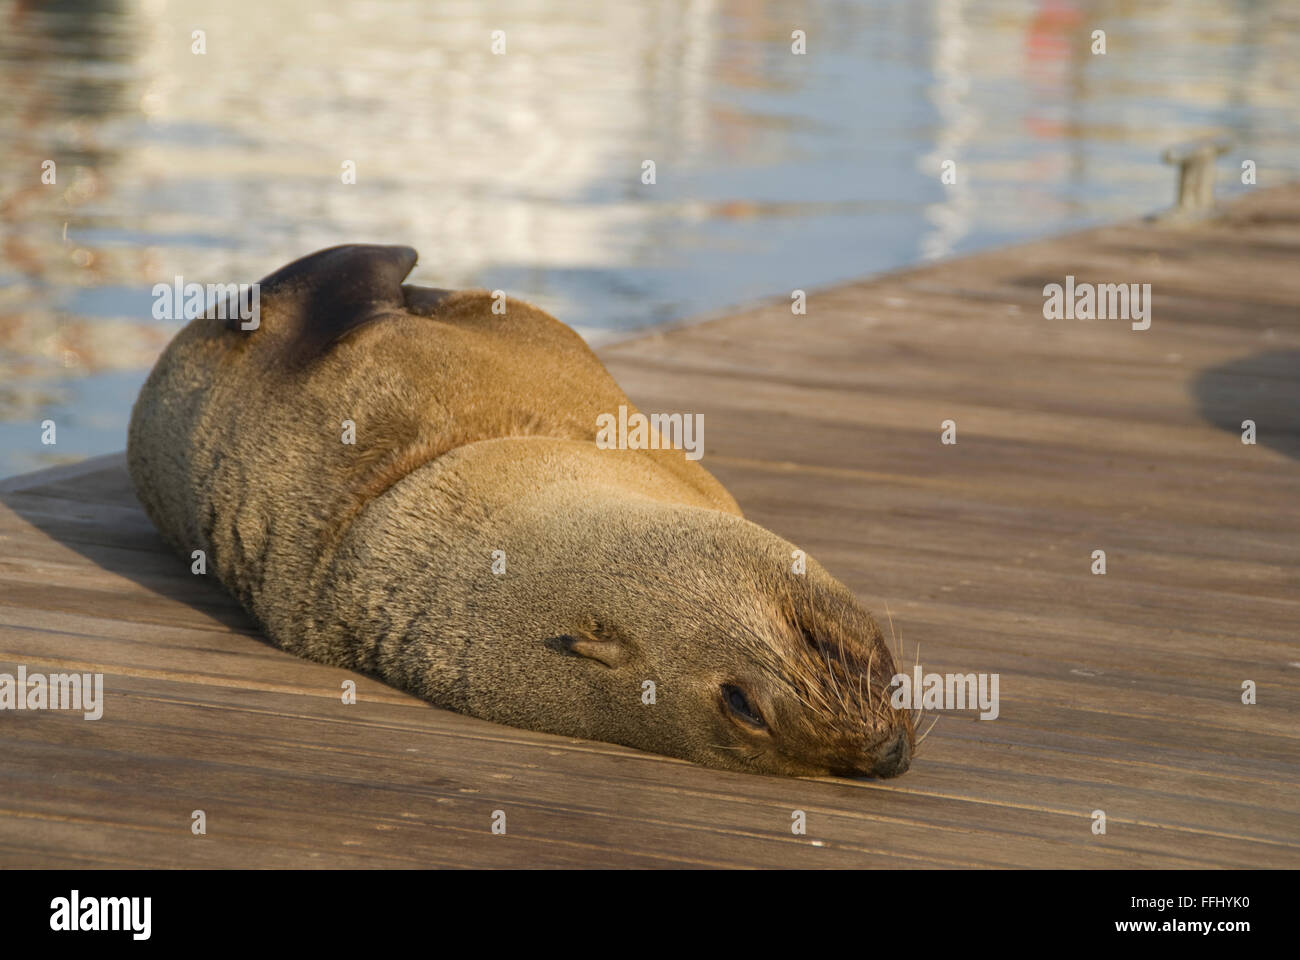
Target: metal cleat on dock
x=1195 y=160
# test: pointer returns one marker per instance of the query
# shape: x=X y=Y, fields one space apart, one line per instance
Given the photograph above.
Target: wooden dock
x=1120 y=693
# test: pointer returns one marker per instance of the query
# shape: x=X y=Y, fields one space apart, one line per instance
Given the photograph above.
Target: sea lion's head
x=755 y=665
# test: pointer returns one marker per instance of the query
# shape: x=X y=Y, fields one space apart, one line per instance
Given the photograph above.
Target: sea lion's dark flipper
x=424 y=301
x=331 y=292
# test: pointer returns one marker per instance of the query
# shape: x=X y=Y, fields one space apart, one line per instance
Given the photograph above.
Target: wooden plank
x=1119 y=693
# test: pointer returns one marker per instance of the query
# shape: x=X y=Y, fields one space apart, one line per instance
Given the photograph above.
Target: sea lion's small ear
x=328 y=293
x=608 y=652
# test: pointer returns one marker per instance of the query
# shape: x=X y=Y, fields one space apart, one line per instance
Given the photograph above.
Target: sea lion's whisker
x=921 y=739
x=871 y=667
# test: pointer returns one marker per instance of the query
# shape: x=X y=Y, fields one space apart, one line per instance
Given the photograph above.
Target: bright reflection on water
x=523 y=171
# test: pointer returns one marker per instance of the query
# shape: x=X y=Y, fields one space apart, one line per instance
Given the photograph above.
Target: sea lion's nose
x=895 y=757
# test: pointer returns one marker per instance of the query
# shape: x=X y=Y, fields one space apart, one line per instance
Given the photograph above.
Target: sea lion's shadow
x=1262 y=387
x=91 y=509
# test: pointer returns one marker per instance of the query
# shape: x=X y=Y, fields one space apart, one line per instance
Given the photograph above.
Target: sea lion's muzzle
x=892 y=758
x=896 y=758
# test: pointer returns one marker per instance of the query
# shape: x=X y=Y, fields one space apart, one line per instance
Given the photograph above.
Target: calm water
x=522 y=171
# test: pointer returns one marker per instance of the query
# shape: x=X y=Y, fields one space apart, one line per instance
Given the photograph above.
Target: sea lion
x=474 y=546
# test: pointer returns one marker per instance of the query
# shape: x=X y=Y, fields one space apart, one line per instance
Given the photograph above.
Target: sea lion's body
x=472 y=545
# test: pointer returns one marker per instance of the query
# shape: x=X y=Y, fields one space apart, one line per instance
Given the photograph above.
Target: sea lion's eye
x=739 y=704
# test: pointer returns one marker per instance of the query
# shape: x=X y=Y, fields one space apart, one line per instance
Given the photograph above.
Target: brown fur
x=475 y=433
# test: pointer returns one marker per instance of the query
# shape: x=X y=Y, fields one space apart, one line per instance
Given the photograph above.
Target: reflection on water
x=522 y=171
